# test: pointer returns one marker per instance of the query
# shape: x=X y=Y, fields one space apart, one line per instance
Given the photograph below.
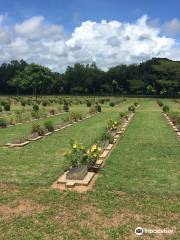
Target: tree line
x=158 y=76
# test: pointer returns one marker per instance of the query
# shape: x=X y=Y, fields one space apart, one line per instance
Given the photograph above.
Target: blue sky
x=70 y=13
x=25 y=26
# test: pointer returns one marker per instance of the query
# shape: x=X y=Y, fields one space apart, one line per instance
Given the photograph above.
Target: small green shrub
x=106 y=136
x=23 y=103
x=131 y=108
x=36 y=128
x=7 y=107
x=35 y=114
x=165 y=108
x=136 y=103
x=101 y=101
x=98 y=108
x=88 y=103
x=111 y=104
x=3 y=123
x=66 y=107
x=49 y=126
x=3 y=102
x=160 y=103
x=36 y=108
x=45 y=103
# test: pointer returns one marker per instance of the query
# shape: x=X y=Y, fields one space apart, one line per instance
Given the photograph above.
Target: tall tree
x=36 y=77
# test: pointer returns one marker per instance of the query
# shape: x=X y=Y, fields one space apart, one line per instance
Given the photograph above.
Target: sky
x=110 y=32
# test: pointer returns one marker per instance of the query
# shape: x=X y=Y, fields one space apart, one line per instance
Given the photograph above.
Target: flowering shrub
x=93 y=154
x=112 y=125
x=79 y=155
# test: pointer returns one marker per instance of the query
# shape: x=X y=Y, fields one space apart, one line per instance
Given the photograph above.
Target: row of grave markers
x=83 y=185
x=172 y=125
x=14 y=145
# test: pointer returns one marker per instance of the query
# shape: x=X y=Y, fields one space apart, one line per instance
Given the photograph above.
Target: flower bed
x=79 y=158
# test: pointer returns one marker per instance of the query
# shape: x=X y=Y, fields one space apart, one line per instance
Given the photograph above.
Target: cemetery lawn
x=138 y=186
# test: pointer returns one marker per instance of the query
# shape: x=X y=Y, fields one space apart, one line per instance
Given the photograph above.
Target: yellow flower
x=94 y=155
x=115 y=123
x=99 y=149
x=74 y=146
x=93 y=148
x=82 y=147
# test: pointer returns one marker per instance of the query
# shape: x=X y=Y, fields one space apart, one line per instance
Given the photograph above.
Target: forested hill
x=158 y=76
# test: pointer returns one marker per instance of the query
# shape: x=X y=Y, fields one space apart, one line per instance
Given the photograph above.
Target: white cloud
x=115 y=42
x=172 y=27
x=30 y=28
x=107 y=43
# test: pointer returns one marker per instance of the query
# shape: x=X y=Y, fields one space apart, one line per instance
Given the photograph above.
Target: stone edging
x=11 y=145
x=175 y=129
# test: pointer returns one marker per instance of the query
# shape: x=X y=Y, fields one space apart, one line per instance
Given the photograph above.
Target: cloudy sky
x=110 y=32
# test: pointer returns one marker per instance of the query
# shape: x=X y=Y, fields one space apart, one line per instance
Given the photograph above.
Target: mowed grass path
x=138 y=185
x=147 y=159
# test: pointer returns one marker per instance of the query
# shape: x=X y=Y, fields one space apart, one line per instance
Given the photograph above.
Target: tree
x=36 y=77
x=114 y=86
x=16 y=81
x=150 y=90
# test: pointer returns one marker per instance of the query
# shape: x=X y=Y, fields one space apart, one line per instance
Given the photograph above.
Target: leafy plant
x=36 y=128
x=45 y=103
x=131 y=108
x=112 y=125
x=136 y=103
x=160 y=103
x=7 y=107
x=88 y=103
x=36 y=108
x=111 y=104
x=66 y=107
x=3 y=123
x=98 y=108
x=49 y=126
x=35 y=114
x=165 y=108
x=78 y=155
x=106 y=136
x=23 y=103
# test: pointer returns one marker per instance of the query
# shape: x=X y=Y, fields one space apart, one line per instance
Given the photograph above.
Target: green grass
x=139 y=185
